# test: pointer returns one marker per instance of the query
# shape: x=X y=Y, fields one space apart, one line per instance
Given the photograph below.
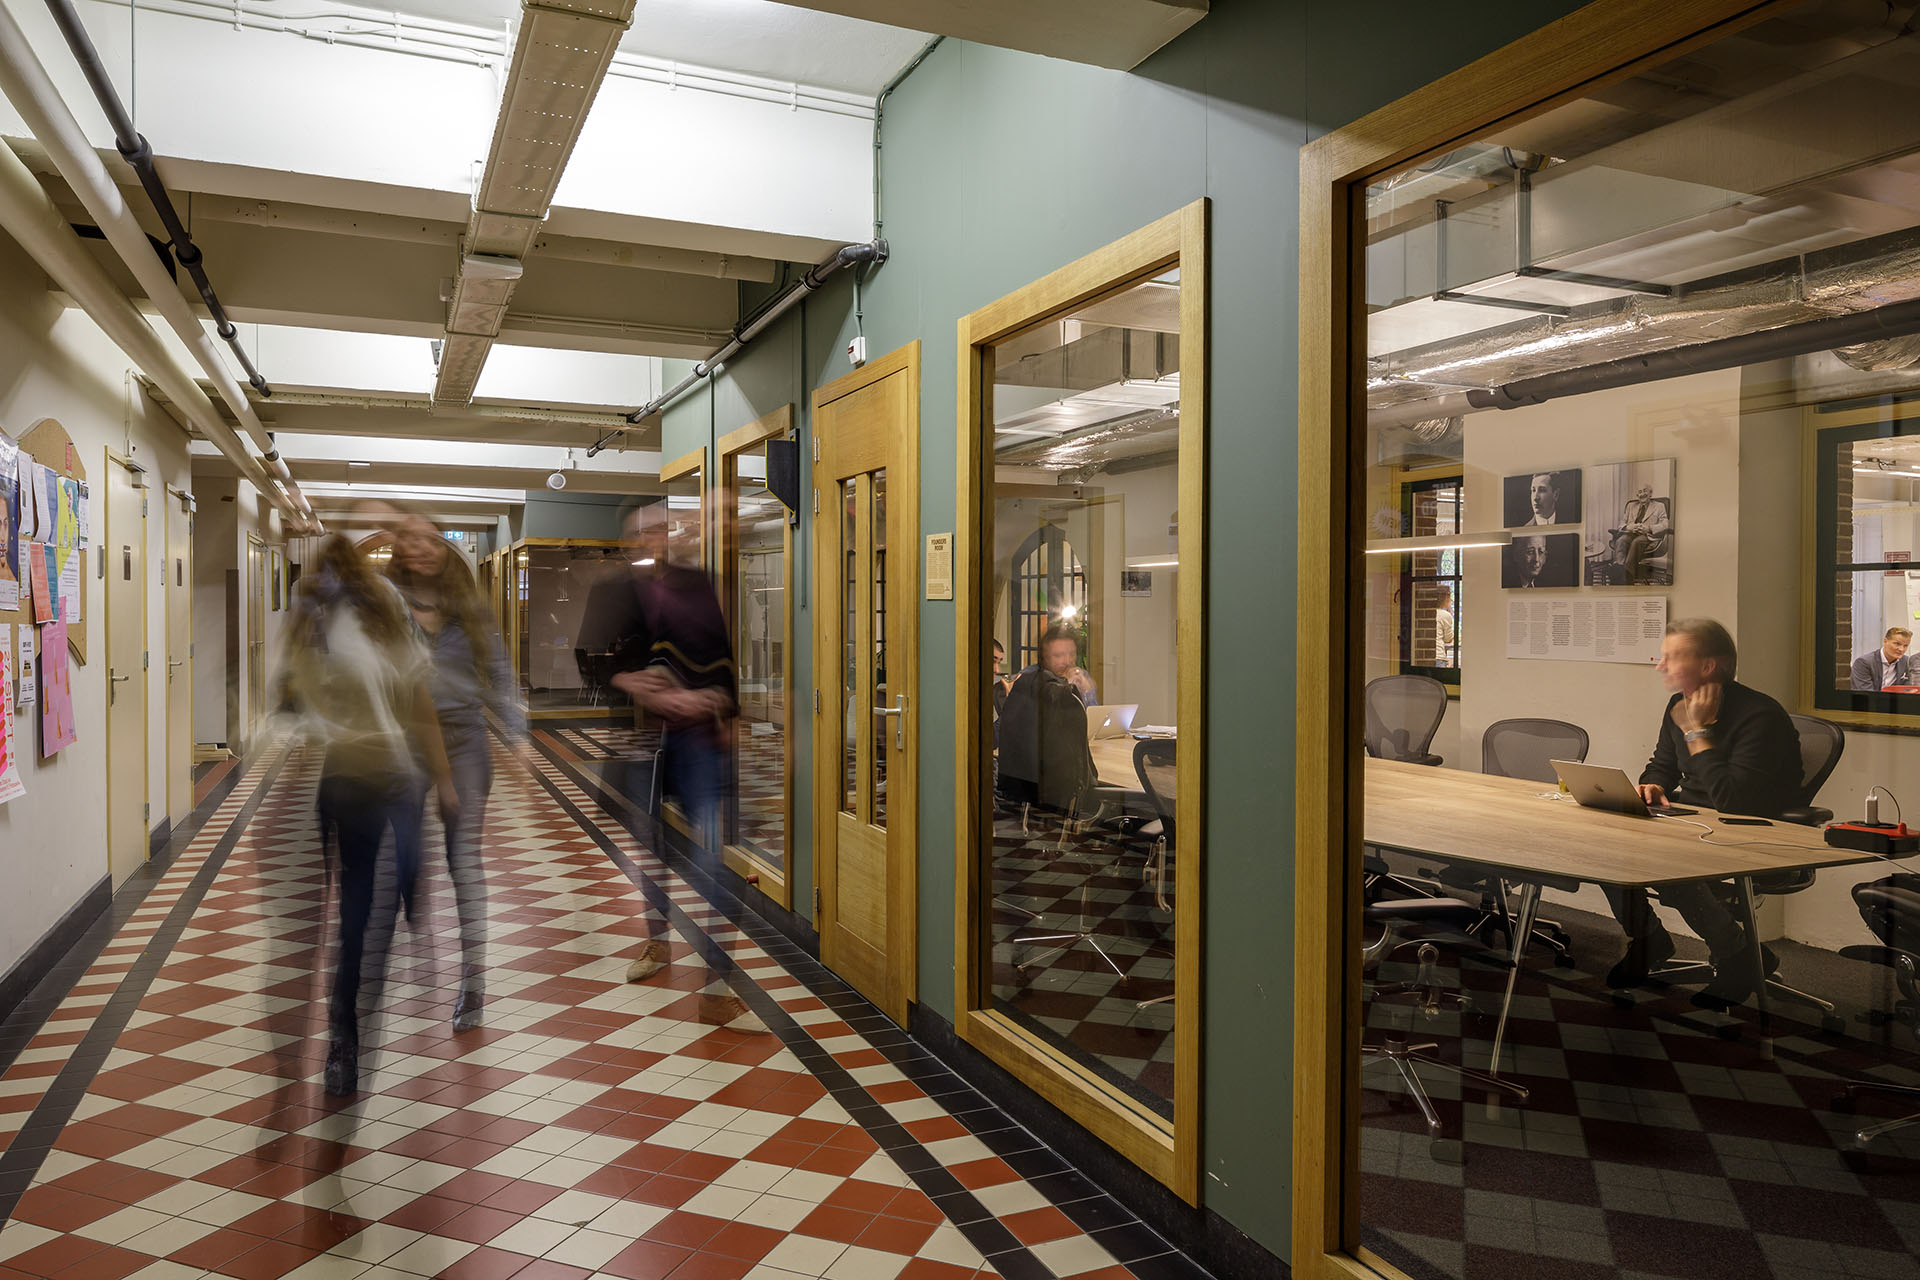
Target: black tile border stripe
x=22 y=1160
x=999 y=1246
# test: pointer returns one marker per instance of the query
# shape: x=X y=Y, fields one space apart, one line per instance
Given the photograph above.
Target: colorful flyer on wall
x=86 y=526
x=29 y=689
x=11 y=788
x=23 y=496
x=46 y=496
x=37 y=576
x=9 y=523
x=70 y=590
x=56 y=691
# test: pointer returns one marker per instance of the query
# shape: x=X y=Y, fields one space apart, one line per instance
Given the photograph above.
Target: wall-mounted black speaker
x=783 y=473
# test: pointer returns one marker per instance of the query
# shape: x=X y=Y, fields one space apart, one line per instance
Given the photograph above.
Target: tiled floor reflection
x=162 y=1118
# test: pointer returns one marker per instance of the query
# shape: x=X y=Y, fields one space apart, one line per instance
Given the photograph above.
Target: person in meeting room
x=1044 y=756
x=1443 y=628
x=1059 y=654
x=1002 y=682
x=1724 y=746
x=1887 y=665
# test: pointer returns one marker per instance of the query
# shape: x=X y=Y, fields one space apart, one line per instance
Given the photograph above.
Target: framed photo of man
x=1541 y=560
x=1629 y=527
x=1541 y=498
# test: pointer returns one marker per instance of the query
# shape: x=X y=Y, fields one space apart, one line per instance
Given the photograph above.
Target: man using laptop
x=1889 y=664
x=1722 y=746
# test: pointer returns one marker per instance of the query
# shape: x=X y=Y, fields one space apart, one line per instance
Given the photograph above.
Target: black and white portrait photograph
x=1629 y=526
x=1541 y=497
x=1136 y=582
x=1542 y=560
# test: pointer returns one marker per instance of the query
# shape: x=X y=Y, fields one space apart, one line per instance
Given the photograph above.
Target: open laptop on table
x=1111 y=722
x=1599 y=786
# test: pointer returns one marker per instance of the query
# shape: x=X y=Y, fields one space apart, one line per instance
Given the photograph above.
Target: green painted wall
x=999 y=167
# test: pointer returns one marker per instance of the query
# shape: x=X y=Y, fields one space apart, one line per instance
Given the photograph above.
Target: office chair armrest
x=1807 y=816
x=1873 y=953
x=1426 y=758
x=1424 y=910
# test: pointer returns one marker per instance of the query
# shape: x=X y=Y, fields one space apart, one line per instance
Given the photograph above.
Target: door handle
x=899 y=726
x=113 y=680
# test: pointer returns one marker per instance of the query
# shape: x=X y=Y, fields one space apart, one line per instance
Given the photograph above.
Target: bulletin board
x=48 y=443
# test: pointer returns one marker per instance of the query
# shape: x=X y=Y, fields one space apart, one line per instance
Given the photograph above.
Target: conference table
x=1535 y=837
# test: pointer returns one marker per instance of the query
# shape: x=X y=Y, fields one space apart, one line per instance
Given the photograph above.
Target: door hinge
x=816 y=900
x=143 y=507
x=816 y=502
x=816 y=448
x=189 y=651
x=146 y=812
x=143 y=659
x=816 y=699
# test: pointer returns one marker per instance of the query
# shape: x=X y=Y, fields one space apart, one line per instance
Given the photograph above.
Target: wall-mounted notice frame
x=1586 y=628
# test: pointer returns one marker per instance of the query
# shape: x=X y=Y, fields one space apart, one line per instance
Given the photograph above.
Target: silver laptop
x=1111 y=722
x=1600 y=786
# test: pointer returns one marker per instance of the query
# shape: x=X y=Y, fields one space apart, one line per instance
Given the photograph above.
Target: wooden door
x=125 y=550
x=176 y=588
x=256 y=636
x=866 y=673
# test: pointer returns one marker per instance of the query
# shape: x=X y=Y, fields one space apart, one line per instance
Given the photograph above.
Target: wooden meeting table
x=1532 y=835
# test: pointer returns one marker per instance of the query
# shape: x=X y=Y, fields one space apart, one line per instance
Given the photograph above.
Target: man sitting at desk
x=1059 y=649
x=1889 y=664
x=1723 y=746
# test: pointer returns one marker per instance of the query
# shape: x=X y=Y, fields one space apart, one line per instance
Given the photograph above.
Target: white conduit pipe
x=26 y=84
x=30 y=218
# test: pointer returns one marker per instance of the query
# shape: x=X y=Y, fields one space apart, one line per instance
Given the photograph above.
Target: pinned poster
x=9 y=524
x=29 y=681
x=69 y=593
x=11 y=788
x=56 y=691
x=46 y=500
x=23 y=473
x=82 y=504
x=37 y=557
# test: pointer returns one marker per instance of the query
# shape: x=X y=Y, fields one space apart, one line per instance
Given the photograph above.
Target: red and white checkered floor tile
x=170 y=1116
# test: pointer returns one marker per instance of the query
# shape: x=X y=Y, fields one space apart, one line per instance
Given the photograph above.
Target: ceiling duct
x=560 y=58
x=1886 y=355
x=1786 y=298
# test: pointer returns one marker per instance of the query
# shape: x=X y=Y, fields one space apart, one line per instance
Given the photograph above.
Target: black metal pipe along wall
x=135 y=149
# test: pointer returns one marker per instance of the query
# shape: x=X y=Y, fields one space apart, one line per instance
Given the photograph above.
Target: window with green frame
x=1430 y=581
x=1866 y=531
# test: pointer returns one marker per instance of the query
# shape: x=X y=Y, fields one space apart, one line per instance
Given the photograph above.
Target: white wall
x=57 y=364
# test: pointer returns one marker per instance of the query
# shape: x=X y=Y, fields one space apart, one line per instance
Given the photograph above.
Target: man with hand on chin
x=1722 y=746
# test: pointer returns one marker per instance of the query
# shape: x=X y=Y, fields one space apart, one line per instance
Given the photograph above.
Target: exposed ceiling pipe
x=25 y=82
x=847 y=256
x=135 y=150
x=31 y=219
x=879 y=112
x=1891 y=327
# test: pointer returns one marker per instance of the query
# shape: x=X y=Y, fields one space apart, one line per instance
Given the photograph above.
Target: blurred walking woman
x=470 y=676
x=357 y=668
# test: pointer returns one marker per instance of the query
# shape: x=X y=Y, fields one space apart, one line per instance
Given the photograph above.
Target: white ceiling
x=753 y=37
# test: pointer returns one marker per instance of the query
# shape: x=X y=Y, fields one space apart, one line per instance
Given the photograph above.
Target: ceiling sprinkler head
x=558 y=480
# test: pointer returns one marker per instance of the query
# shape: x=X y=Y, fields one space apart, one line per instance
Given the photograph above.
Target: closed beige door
x=176 y=587
x=256 y=636
x=866 y=530
x=124 y=548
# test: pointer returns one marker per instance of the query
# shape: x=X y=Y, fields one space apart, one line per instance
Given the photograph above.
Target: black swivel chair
x=1524 y=747
x=1821 y=745
x=1398 y=1048
x=1891 y=908
x=1155 y=760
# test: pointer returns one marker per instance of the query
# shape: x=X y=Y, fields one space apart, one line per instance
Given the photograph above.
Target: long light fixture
x=1154 y=564
x=1441 y=542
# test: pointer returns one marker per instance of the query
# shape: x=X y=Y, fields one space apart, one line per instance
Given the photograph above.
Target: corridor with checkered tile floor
x=162 y=1115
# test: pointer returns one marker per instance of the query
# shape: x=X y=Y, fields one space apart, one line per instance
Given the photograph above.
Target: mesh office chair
x=1155 y=760
x=1891 y=908
x=1821 y=744
x=1403 y=714
x=1520 y=748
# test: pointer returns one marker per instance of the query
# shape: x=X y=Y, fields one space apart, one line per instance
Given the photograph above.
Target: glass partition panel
x=686 y=520
x=759 y=548
x=562 y=667
x=1639 y=494
x=1085 y=562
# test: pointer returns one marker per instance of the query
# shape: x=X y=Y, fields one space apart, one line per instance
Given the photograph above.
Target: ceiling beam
x=1120 y=34
x=560 y=58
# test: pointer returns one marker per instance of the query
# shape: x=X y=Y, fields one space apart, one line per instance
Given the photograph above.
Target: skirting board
x=53 y=945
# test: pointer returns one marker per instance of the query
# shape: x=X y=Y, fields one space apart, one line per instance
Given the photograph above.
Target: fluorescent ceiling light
x=1154 y=564
x=1444 y=542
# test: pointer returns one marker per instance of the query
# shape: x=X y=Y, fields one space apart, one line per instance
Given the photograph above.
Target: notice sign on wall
x=939 y=575
x=1586 y=628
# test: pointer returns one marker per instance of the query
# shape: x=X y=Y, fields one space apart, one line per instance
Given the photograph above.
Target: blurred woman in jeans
x=470 y=677
x=358 y=670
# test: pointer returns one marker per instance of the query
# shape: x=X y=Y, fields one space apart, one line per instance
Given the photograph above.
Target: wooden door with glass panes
x=865 y=512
